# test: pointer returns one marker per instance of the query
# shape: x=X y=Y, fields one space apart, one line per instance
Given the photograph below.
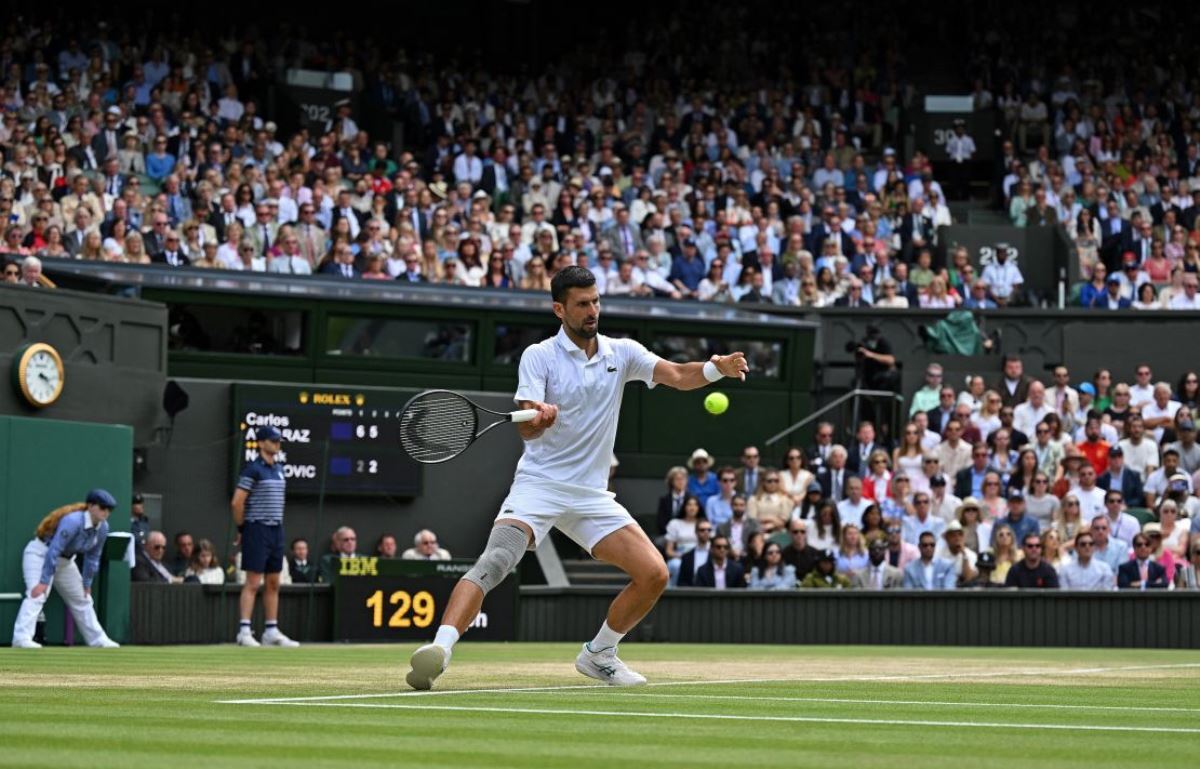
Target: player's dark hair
x=568 y=278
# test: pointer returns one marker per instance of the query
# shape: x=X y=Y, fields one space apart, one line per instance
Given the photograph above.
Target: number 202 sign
x=407 y=608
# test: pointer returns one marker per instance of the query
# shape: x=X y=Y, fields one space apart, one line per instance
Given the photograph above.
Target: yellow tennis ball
x=716 y=403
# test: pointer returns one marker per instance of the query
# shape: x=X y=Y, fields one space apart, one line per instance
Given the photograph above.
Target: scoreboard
x=345 y=440
x=381 y=599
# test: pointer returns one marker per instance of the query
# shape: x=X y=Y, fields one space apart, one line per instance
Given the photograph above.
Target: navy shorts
x=262 y=548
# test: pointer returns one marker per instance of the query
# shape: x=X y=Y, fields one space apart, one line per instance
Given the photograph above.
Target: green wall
x=46 y=463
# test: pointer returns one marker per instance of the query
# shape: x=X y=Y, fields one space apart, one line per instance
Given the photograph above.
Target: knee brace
x=505 y=547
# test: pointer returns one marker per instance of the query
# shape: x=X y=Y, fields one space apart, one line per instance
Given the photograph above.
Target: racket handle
x=524 y=415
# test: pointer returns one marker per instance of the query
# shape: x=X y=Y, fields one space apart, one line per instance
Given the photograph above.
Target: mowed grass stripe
x=890 y=702
x=743 y=717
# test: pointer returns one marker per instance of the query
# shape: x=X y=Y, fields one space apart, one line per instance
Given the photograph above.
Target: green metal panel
x=49 y=463
x=171 y=614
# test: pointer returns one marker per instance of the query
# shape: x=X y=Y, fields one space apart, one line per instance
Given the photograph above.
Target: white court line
x=846 y=701
x=838 y=679
x=729 y=717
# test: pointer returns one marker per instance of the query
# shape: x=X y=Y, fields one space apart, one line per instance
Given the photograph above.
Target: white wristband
x=711 y=372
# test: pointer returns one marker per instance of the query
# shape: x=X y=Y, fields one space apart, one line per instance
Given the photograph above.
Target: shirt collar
x=603 y=345
x=87 y=521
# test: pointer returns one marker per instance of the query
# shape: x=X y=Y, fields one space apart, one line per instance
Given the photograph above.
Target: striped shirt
x=266 y=487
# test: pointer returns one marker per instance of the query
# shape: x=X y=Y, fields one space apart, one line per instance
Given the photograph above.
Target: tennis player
x=575 y=381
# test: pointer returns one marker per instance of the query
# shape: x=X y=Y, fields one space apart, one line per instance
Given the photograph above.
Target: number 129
x=421 y=605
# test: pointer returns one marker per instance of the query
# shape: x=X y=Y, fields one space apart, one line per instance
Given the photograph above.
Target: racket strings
x=437 y=427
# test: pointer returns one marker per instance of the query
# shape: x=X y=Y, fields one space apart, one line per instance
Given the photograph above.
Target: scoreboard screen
x=345 y=440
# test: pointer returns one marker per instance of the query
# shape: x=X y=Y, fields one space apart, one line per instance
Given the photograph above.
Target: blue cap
x=102 y=498
x=1087 y=387
x=268 y=433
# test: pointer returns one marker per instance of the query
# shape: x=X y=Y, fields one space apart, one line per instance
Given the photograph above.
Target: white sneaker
x=247 y=638
x=272 y=637
x=107 y=643
x=605 y=666
x=31 y=644
x=427 y=664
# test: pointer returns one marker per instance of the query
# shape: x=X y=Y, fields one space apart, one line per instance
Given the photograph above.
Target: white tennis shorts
x=585 y=515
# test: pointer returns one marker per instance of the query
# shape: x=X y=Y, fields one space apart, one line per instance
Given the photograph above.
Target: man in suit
x=818 y=453
x=73 y=240
x=916 y=231
x=313 y=239
x=691 y=561
x=342 y=265
x=1117 y=478
x=927 y=572
x=748 y=475
x=149 y=566
x=1116 y=236
x=1013 y=385
x=968 y=482
x=833 y=476
x=1139 y=572
x=879 y=575
x=944 y=412
x=107 y=141
x=854 y=297
x=171 y=256
x=903 y=287
x=738 y=529
x=721 y=572
x=625 y=238
x=264 y=230
x=858 y=461
x=300 y=566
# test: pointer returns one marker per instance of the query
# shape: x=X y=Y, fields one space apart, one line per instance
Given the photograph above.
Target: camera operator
x=875 y=365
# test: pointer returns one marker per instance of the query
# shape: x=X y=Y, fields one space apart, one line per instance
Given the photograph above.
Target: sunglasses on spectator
x=720 y=547
x=16 y=272
x=704 y=529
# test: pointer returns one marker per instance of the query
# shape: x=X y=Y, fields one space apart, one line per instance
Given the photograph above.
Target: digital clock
x=340 y=440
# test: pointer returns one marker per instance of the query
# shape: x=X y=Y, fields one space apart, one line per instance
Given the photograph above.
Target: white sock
x=607 y=638
x=447 y=636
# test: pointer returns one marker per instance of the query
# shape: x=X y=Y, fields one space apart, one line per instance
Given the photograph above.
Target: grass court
x=523 y=705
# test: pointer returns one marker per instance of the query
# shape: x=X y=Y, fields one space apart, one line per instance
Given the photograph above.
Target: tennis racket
x=438 y=425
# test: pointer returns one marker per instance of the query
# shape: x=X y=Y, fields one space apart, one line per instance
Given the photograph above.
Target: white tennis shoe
x=273 y=637
x=427 y=663
x=108 y=643
x=605 y=666
x=26 y=645
x=247 y=639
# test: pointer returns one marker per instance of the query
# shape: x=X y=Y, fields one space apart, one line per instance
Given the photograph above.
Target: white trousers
x=69 y=583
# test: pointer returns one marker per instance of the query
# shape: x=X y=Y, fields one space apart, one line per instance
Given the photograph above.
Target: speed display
x=344 y=439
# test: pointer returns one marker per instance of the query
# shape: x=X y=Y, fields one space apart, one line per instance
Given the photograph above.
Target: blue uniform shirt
x=75 y=535
x=266 y=487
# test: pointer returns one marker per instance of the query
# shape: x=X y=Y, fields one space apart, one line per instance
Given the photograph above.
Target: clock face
x=39 y=374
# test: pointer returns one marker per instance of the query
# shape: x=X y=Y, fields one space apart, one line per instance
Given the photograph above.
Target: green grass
x=160 y=707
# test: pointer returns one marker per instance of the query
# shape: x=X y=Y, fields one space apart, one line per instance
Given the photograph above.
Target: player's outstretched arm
x=693 y=376
x=534 y=428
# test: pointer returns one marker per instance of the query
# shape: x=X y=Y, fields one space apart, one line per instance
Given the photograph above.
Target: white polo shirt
x=577 y=449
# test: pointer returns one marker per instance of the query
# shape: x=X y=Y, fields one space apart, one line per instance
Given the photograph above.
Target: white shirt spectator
x=1097 y=575
x=1140 y=457
x=849 y=512
x=1091 y=503
x=1140 y=395
x=1026 y=416
x=1181 y=301
x=1151 y=410
x=1002 y=278
x=468 y=168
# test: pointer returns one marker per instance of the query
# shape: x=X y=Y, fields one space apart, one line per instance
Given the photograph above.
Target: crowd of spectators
x=785 y=189
x=1014 y=482
x=198 y=562
x=1106 y=146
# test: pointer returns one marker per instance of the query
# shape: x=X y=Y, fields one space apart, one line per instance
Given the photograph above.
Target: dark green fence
x=1167 y=620
x=163 y=614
